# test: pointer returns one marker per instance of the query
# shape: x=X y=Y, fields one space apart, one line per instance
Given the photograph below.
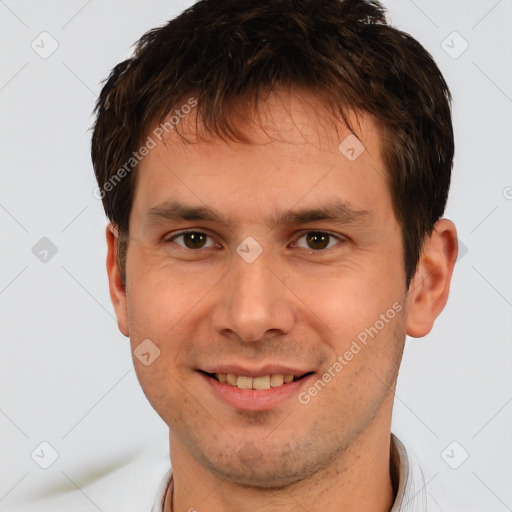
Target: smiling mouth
x=257 y=383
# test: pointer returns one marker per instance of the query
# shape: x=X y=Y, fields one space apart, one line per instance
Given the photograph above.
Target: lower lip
x=255 y=400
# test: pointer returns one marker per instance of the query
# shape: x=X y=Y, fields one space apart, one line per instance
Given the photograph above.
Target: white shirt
x=411 y=494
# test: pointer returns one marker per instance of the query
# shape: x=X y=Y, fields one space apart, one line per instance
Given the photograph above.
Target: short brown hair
x=228 y=52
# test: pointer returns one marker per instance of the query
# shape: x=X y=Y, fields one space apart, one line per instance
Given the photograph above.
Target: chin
x=271 y=477
x=273 y=469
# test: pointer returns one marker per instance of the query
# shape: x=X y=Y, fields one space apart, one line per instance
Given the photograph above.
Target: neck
x=358 y=480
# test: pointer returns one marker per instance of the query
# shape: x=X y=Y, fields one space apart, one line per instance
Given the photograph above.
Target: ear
x=115 y=284
x=428 y=291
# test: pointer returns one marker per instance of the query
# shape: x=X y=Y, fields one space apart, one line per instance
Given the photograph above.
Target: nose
x=252 y=302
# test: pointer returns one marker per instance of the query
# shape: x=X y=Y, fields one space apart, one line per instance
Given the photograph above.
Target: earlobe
x=429 y=289
x=116 y=287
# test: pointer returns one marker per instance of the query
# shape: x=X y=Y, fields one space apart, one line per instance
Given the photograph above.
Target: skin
x=296 y=304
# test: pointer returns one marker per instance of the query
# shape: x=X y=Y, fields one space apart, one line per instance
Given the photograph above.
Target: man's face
x=212 y=303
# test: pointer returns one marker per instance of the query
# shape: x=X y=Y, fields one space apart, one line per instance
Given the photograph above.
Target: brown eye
x=317 y=240
x=192 y=240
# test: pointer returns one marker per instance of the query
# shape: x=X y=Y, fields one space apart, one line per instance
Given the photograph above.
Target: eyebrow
x=334 y=211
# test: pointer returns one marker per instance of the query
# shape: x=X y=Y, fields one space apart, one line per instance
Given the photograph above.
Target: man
x=275 y=173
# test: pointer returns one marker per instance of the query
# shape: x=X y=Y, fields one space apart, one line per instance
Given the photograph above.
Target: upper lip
x=269 y=369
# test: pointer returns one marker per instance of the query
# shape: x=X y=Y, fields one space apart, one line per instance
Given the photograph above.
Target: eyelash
x=339 y=238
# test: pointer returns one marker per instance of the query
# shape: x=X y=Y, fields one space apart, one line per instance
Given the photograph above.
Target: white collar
x=412 y=494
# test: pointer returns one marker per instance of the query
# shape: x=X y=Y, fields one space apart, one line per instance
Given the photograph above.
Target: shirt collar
x=411 y=495
x=406 y=476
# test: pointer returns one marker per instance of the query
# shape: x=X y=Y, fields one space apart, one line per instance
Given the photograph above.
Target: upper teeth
x=265 y=382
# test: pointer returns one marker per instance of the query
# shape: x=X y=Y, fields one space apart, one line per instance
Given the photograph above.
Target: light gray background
x=66 y=372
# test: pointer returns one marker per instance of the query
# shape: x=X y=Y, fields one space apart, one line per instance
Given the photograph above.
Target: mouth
x=255 y=390
x=261 y=382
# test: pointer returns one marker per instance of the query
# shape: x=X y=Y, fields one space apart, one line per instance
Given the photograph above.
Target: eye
x=313 y=240
x=318 y=240
x=192 y=240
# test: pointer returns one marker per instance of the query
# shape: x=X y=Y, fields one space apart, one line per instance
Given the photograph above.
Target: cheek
x=348 y=302
x=366 y=334
x=165 y=305
x=159 y=295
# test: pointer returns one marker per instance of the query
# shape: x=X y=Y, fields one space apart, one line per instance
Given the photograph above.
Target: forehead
x=298 y=152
